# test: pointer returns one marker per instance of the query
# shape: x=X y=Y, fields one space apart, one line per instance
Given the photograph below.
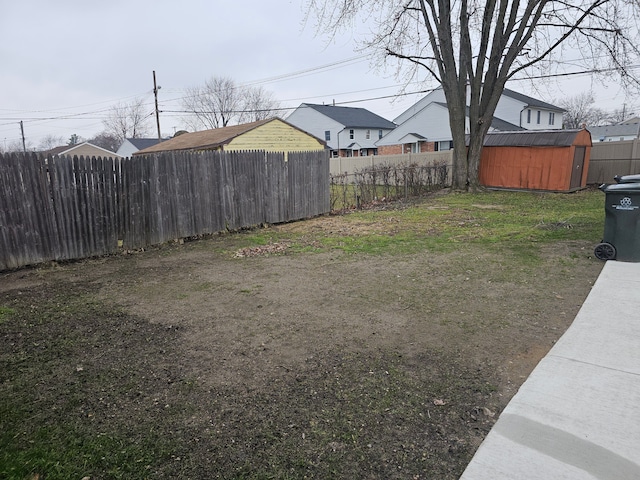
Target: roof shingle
x=206 y=139
x=352 y=117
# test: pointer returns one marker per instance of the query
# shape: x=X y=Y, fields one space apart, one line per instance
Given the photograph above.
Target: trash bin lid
x=621 y=188
x=627 y=178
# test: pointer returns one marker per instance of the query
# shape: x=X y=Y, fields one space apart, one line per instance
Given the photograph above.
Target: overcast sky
x=64 y=63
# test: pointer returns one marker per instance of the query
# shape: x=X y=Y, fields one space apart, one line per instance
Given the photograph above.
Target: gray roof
x=141 y=143
x=417 y=135
x=530 y=101
x=352 y=117
x=621 y=130
x=496 y=123
x=503 y=125
x=531 y=138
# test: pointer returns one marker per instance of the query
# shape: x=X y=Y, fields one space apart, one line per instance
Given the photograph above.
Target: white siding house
x=348 y=132
x=424 y=126
x=528 y=112
x=431 y=120
x=132 y=145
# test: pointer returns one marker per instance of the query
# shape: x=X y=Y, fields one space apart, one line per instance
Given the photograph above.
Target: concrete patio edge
x=576 y=416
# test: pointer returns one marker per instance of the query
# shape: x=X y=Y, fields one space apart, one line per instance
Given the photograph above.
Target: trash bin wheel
x=605 y=251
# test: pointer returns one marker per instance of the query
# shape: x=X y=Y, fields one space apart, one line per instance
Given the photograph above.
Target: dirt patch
x=272 y=364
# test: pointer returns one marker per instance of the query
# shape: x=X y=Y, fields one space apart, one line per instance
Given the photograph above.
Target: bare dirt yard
x=223 y=359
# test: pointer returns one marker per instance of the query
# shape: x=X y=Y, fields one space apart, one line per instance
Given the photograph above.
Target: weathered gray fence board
x=64 y=208
x=609 y=159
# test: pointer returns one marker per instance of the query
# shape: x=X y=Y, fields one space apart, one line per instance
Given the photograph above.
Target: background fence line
x=386 y=182
x=613 y=158
x=351 y=165
x=62 y=208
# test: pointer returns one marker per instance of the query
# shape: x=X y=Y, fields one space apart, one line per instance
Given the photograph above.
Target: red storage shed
x=553 y=160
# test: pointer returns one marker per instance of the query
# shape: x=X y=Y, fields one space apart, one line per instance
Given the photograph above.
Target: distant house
x=424 y=127
x=627 y=130
x=85 y=149
x=132 y=145
x=347 y=131
x=271 y=135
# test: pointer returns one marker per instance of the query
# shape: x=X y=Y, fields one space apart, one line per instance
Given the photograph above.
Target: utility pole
x=24 y=144
x=155 y=93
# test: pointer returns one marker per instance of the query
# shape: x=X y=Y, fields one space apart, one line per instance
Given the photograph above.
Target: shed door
x=578 y=166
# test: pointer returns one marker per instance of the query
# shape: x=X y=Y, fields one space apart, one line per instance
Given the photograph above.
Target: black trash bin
x=621 y=224
x=627 y=178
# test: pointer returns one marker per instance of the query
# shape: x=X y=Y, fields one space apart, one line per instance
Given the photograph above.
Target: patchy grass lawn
x=379 y=344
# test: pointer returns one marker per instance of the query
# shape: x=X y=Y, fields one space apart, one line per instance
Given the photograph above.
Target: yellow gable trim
x=275 y=136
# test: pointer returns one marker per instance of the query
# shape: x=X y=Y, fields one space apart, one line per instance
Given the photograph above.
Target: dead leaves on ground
x=277 y=248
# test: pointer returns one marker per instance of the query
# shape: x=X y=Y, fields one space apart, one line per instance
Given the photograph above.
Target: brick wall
x=390 y=150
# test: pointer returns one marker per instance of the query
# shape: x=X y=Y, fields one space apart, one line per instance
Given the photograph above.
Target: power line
x=86 y=115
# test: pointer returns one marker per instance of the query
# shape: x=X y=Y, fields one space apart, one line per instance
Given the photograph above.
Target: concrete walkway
x=577 y=416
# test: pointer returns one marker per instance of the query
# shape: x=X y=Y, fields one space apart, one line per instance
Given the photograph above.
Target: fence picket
x=62 y=208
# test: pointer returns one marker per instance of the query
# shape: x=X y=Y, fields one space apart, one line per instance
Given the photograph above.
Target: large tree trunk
x=456 y=94
x=474 y=152
x=460 y=167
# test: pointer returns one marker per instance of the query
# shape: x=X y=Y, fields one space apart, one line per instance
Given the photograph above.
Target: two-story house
x=424 y=127
x=348 y=131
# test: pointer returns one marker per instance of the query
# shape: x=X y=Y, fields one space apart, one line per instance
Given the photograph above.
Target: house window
x=538 y=119
x=351 y=134
x=528 y=116
x=327 y=135
x=552 y=118
x=443 y=146
x=368 y=134
x=379 y=134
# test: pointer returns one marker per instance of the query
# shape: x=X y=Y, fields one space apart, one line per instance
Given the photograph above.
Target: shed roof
x=532 y=138
x=352 y=116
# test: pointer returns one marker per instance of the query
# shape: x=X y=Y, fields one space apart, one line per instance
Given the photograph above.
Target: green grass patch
x=519 y=222
x=69 y=367
x=5 y=313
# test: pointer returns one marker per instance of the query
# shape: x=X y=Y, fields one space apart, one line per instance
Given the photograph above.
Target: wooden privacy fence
x=609 y=159
x=62 y=208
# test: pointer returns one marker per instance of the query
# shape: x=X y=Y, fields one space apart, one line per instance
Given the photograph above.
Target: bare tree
x=213 y=104
x=128 y=120
x=618 y=115
x=473 y=47
x=51 y=141
x=258 y=104
x=580 y=111
x=15 y=146
x=107 y=141
x=221 y=102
